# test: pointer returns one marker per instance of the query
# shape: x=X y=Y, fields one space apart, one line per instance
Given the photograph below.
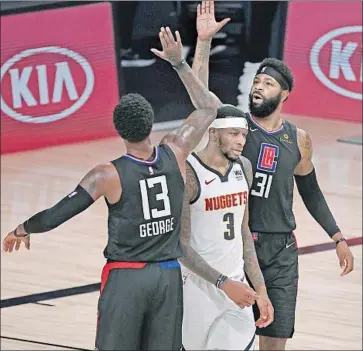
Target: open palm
x=207 y=26
x=172 y=49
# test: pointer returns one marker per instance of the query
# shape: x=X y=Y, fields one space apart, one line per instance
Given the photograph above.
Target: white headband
x=235 y=122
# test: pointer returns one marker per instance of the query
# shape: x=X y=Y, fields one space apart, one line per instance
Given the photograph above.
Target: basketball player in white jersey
x=218 y=245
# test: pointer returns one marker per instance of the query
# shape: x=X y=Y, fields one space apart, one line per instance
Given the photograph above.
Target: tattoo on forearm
x=203 y=49
x=252 y=267
x=198 y=92
x=192 y=260
x=201 y=61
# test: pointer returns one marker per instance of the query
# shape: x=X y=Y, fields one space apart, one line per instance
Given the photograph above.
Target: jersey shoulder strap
x=240 y=162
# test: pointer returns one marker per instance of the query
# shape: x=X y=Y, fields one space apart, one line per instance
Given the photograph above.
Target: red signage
x=58 y=77
x=324 y=50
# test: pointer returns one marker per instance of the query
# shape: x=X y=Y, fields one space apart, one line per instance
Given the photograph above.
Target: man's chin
x=233 y=158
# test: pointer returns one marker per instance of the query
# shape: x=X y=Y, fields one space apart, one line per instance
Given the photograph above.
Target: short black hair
x=280 y=67
x=230 y=111
x=133 y=117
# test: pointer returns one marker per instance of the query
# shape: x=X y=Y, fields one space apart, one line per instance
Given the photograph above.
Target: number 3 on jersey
x=146 y=184
x=228 y=219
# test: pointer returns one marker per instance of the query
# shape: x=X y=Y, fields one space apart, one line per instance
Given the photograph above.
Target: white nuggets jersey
x=217 y=214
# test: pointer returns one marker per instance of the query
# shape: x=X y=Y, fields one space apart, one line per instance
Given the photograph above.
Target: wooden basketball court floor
x=49 y=294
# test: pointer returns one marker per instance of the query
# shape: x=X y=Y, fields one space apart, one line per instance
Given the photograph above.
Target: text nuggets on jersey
x=226 y=201
x=163 y=226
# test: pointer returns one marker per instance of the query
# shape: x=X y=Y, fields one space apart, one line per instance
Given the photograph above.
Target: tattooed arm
x=199 y=94
x=252 y=267
x=238 y=292
x=172 y=52
x=207 y=27
x=192 y=260
x=201 y=60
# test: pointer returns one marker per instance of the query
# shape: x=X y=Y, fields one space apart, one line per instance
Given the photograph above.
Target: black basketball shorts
x=278 y=258
x=140 y=307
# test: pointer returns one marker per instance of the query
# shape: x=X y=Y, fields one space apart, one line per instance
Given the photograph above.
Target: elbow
x=216 y=103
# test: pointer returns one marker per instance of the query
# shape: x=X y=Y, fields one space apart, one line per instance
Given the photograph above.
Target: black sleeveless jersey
x=274 y=156
x=144 y=225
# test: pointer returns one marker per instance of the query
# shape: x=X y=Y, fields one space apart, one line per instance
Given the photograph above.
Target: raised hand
x=172 y=49
x=207 y=26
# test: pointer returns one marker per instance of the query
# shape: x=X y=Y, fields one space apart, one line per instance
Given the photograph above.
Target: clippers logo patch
x=267 y=158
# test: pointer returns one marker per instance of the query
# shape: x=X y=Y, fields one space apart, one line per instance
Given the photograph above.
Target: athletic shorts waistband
x=110 y=265
x=139 y=264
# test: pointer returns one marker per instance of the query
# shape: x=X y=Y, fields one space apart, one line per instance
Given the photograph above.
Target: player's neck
x=270 y=123
x=142 y=149
x=213 y=158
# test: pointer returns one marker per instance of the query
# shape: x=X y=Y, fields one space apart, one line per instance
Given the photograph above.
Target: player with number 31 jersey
x=273 y=155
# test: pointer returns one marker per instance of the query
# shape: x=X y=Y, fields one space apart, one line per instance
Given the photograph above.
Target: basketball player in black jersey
x=141 y=305
x=279 y=152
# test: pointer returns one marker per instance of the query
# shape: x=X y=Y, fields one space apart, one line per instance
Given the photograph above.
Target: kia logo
x=340 y=66
x=44 y=89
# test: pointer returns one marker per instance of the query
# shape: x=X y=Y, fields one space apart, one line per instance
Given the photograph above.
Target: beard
x=230 y=158
x=266 y=108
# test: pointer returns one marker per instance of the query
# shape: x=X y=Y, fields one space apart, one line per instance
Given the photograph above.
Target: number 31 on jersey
x=266 y=163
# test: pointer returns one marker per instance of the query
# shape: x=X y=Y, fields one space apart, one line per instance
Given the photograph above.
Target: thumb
x=222 y=23
x=158 y=53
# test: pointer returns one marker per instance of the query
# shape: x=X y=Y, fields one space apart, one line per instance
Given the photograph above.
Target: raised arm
x=93 y=185
x=207 y=27
x=313 y=198
x=184 y=139
x=172 y=52
x=238 y=292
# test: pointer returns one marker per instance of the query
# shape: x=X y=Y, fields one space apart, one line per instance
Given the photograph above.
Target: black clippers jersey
x=274 y=156
x=145 y=224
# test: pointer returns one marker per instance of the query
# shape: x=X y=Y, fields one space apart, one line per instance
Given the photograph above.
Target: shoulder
x=104 y=172
x=245 y=162
x=247 y=165
x=304 y=142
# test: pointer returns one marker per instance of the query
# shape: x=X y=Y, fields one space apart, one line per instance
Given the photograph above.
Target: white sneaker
x=245 y=84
